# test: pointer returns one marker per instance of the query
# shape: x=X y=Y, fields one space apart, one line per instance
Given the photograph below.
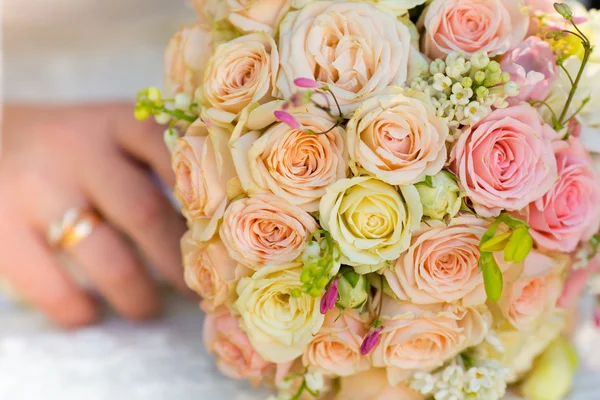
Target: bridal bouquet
x=387 y=199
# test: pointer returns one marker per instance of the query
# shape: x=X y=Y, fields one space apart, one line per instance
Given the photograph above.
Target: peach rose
x=240 y=72
x=422 y=338
x=525 y=302
x=335 y=350
x=210 y=272
x=470 y=26
x=373 y=385
x=353 y=47
x=235 y=356
x=211 y=11
x=569 y=212
x=398 y=138
x=203 y=167
x=185 y=59
x=506 y=161
x=257 y=15
x=265 y=229
x=442 y=264
x=294 y=165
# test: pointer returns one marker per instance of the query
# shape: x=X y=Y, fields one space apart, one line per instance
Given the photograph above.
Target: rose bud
x=353 y=290
x=440 y=196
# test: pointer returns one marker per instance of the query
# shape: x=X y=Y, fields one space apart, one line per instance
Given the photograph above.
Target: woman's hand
x=57 y=158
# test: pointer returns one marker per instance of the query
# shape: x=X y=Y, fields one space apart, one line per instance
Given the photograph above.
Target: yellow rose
x=369 y=220
x=279 y=326
x=517 y=350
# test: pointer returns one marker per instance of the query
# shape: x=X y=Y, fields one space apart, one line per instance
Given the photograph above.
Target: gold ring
x=76 y=224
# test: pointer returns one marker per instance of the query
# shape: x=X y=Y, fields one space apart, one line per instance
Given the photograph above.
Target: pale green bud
x=479 y=77
x=353 y=290
x=480 y=60
x=552 y=374
x=440 y=196
x=182 y=101
x=162 y=118
x=494 y=66
x=170 y=137
x=493 y=79
x=154 y=94
x=466 y=82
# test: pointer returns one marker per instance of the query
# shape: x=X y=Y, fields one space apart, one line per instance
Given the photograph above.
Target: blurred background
x=83 y=51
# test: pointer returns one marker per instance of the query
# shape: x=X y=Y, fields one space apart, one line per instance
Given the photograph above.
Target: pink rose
x=533 y=66
x=576 y=283
x=373 y=385
x=422 y=338
x=186 y=58
x=210 y=272
x=203 y=167
x=335 y=350
x=235 y=356
x=506 y=161
x=569 y=212
x=265 y=229
x=442 y=264
x=528 y=300
x=470 y=26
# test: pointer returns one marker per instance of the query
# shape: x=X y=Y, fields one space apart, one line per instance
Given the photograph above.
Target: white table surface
x=163 y=359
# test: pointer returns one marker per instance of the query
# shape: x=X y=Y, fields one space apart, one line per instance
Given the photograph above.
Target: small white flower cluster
x=486 y=381
x=464 y=91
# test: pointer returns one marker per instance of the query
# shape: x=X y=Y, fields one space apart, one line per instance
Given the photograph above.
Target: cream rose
x=257 y=15
x=279 y=325
x=211 y=11
x=242 y=71
x=210 y=272
x=235 y=356
x=185 y=59
x=373 y=385
x=532 y=297
x=398 y=138
x=354 y=48
x=442 y=264
x=471 y=26
x=292 y=164
x=265 y=229
x=422 y=338
x=369 y=220
x=335 y=350
x=203 y=167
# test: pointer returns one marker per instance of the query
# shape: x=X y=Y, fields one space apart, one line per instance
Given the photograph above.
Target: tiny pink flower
x=306 y=83
x=330 y=297
x=287 y=119
x=597 y=317
x=370 y=340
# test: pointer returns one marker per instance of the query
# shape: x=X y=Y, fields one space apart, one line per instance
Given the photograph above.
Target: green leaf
x=492 y=277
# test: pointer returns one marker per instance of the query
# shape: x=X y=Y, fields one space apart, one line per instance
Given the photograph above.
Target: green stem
x=583 y=37
x=586 y=56
x=578 y=110
x=534 y=102
x=567 y=73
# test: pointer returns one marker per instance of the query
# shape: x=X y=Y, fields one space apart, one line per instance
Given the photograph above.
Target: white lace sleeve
x=74 y=50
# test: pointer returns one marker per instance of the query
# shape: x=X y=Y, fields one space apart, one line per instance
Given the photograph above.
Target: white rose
x=354 y=48
x=398 y=138
x=278 y=325
x=398 y=7
x=370 y=221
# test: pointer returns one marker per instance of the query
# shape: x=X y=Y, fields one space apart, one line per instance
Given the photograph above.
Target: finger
x=144 y=141
x=125 y=194
x=28 y=264
x=113 y=267
x=102 y=256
